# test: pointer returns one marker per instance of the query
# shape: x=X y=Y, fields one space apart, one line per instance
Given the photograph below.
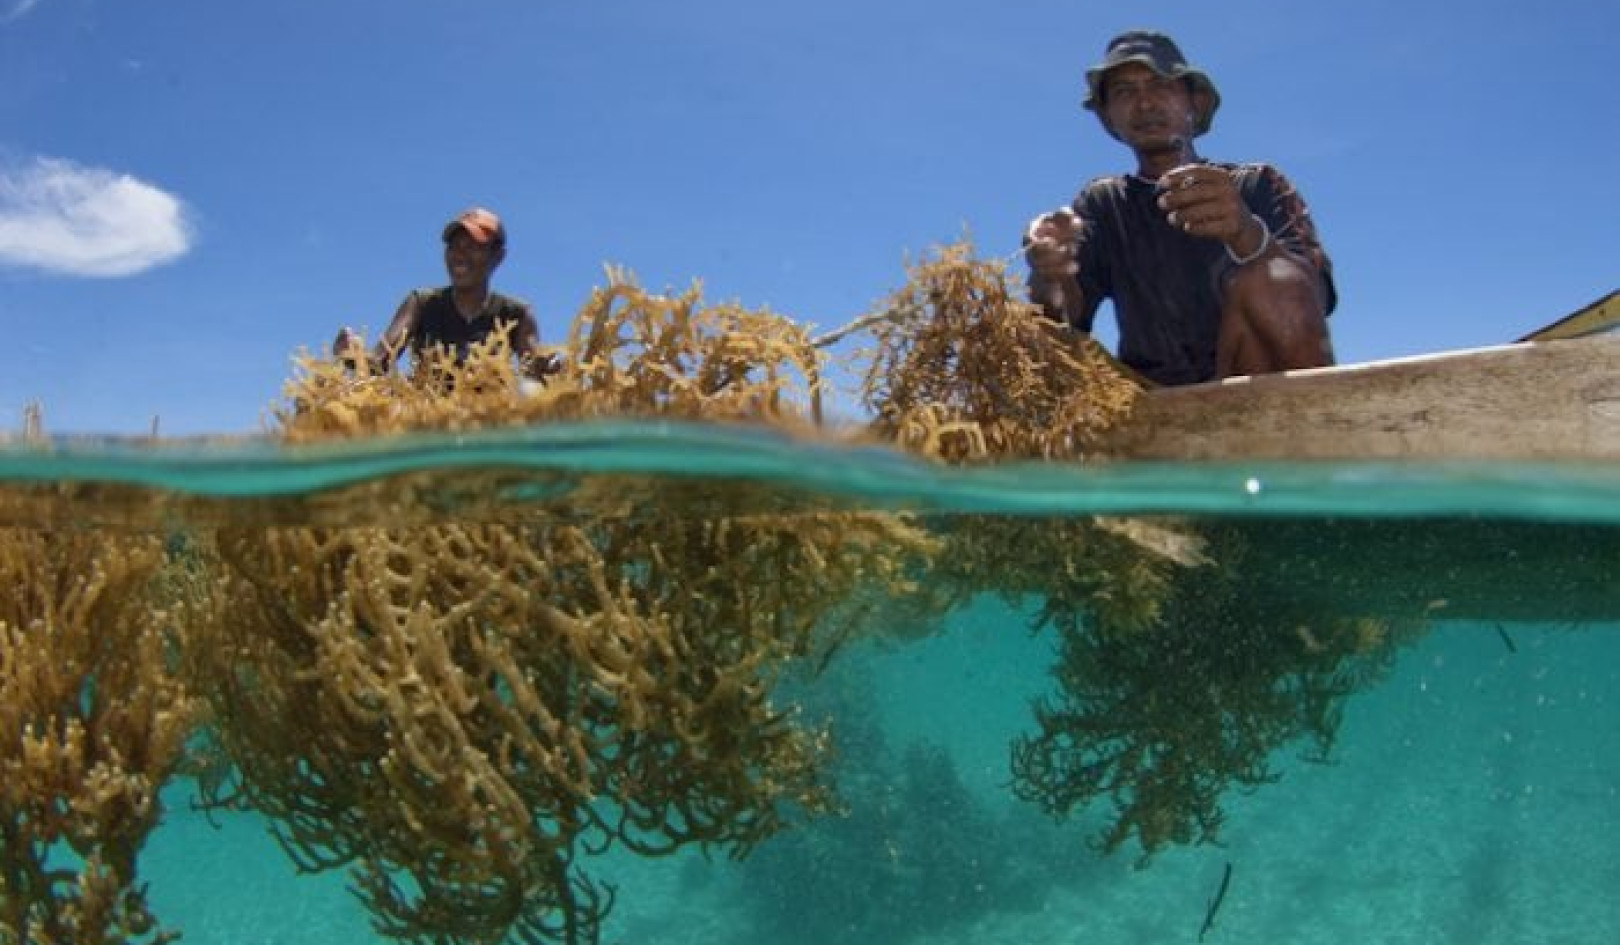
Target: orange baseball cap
x=480 y=224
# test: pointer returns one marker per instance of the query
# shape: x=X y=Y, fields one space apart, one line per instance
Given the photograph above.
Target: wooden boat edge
x=1539 y=400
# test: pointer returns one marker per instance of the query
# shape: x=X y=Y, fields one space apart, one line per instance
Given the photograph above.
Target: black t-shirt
x=439 y=323
x=1166 y=286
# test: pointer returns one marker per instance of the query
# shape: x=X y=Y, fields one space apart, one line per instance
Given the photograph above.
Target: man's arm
x=347 y=346
x=1253 y=211
x=1279 y=289
x=397 y=335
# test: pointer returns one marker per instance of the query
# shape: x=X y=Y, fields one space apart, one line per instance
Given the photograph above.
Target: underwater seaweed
x=1160 y=718
x=96 y=716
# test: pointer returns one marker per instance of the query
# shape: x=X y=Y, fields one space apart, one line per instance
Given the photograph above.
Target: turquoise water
x=1472 y=794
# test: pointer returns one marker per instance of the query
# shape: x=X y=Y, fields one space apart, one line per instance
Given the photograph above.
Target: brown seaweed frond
x=964 y=370
x=630 y=353
x=96 y=720
x=326 y=399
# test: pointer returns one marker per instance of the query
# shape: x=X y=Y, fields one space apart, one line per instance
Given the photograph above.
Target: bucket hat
x=1159 y=53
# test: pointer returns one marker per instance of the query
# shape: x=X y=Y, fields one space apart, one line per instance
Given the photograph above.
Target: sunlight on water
x=1436 y=760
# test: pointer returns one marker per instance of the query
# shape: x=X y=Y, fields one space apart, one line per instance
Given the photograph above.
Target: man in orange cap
x=1214 y=269
x=463 y=313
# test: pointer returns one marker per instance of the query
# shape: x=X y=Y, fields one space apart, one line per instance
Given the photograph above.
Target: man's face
x=1148 y=111
x=468 y=261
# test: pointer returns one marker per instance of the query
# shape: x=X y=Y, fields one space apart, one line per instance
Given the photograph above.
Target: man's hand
x=539 y=365
x=347 y=344
x=1204 y=201
x=1049 y=245
x=351 y=351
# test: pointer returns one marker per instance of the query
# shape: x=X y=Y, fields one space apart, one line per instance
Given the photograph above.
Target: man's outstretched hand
x=1049 y=244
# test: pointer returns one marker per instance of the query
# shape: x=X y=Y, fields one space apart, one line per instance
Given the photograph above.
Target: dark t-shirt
x=1166 y=285
x=438 y=322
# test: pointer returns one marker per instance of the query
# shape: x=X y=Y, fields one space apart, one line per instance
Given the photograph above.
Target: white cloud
x=60 y=217
x=15 y=9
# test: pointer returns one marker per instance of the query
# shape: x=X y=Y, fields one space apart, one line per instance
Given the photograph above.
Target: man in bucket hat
x=463 y=313
x=1214 y=269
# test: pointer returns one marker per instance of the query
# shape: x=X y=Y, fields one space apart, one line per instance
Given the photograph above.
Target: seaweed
x=462 y=710
x=1159 y=719
x=97 y=718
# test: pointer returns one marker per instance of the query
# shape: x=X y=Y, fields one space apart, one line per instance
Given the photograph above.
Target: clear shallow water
x=1472 y=796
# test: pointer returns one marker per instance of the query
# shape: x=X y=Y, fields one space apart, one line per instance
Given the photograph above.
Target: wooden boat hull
x=1531 y=401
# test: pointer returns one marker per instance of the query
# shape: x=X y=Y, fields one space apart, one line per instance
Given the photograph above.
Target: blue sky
x=192 y=190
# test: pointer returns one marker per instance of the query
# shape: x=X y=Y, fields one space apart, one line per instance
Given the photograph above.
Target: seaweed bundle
x=963 y=370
